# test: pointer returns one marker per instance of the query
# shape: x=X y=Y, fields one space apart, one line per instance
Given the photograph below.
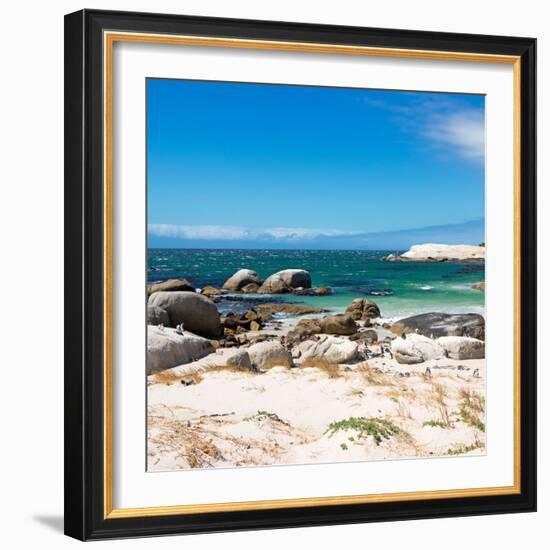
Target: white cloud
x=199 y=232
x=463 y=131
x=301 y=233
x=448 y=125
x=235 y=233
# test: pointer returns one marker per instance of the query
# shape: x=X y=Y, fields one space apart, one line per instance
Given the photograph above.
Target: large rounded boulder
x=265 y=355
x=462 y=347
x=338 y=324
x=195 y=312
x=415 y=348
x=242 y=278
x=167 y=348
x=287 y=280
x=172 y=285
x=157 y=316
x=332 y=348
x=435 y=325
x=362 y=309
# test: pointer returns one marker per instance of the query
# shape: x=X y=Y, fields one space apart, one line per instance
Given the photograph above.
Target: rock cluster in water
x=185 y=326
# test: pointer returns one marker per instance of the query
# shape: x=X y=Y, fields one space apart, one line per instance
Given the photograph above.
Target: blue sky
x=274 y=166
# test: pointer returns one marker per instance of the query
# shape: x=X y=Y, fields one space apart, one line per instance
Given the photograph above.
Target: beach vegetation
x=234 y=369
x=332 y=370
x=274 y=362
x=265 y=415
x=169 y=377
x=439 y=394
x=435 y=424
x=378 y=428
x=403 y=409
x=463 y=449
x=472 y=399
x=373 y=377
x=471 y=409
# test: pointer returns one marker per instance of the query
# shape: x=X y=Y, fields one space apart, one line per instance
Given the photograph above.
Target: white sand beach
x=226 y=417
x=287 y=383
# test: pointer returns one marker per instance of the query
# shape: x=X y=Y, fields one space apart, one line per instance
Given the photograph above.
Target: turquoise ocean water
x=399 y=289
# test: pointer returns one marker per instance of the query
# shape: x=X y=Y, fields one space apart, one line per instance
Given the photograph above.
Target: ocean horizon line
x=389 y=250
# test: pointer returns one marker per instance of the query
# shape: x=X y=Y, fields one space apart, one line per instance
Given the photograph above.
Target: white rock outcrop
x=286 y=281
x=444 y=252
x=334 y=349
x=462 y=347
x=265 y=355
x=415 y=348
x=242 y=278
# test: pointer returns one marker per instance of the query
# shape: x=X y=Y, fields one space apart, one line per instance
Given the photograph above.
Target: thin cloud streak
x=236 y=233
x=220 y=236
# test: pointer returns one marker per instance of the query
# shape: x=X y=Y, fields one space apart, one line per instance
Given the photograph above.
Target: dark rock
x=230 y=321
x=362 y=309
x=303 y=330
x=249 y=320
x=435 y=325
x=368 y=336
x=320 y=291
x=338 y=324
x=251 y=315
x=197 y=313
x=289 y=309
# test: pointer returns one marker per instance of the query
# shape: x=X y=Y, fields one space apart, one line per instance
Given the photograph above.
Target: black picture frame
x=84 y=282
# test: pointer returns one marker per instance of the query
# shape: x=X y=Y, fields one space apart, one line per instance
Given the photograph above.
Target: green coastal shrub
x=378 y=428
x=436 y=424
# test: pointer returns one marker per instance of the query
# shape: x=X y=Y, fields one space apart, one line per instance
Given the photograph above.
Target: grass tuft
x=463 y=449
x=471 y=408
x=373 y=377
x=435 y=424
x=473 y=400
x=169 y=377
x=332 y=370
x=439 y=393
x=231 y=368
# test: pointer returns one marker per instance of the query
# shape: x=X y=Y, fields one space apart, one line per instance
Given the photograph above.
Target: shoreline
x=277 y=376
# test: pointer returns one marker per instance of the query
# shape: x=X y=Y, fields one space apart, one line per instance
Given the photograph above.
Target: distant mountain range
x=181 y=236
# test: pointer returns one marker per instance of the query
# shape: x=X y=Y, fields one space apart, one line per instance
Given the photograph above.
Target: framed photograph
x=300 y=274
